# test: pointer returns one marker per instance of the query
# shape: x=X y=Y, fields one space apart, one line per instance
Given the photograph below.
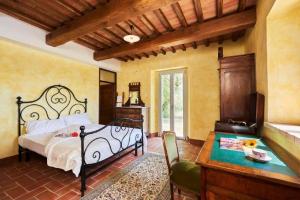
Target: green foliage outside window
x=178 y=95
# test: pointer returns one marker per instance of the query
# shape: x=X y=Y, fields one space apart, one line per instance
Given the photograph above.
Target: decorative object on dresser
x=135 y=112
x=134 y=95
x=119 y=102
x=242 y=108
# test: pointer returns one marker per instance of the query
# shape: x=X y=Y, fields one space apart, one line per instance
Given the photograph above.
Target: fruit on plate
x=251 y=143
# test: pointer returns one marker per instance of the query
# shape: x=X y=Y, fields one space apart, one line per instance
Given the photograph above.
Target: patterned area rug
x=146 y=178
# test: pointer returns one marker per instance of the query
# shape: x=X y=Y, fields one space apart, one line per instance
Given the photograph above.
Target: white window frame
x=185 y=97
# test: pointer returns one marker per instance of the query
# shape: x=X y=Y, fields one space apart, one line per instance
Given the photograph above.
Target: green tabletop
x=238 y=158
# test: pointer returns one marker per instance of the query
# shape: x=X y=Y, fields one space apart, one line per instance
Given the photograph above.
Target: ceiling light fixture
x=131 y=38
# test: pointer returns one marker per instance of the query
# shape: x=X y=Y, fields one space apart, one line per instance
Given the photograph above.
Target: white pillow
x=44 y=126
x=77 y=119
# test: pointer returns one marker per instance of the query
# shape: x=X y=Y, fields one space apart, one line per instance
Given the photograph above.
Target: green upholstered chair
x=183 y=174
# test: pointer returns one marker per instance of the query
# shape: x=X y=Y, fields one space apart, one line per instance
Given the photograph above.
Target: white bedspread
x=65 y=153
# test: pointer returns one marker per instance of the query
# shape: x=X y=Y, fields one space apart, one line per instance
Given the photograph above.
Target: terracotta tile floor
x=34 y=180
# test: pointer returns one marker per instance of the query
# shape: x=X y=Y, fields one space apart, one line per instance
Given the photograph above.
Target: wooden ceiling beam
x=27 y=7
x=198 y=10
x=114 y=34
x=177 y=9
x=45 y=9
x=183 y=47
x=106 y=38
x=18 y=9
x=69 y=8
x=86 y=4
x=122 y=29
x=219 y=8
x=92 y=40
x=95 y=37
x=104 y=15
x=122 y=59
x=194 y=45
x=206 y=43
x=151 y=24
x=130 y=58
x=154 y=53
x=141 y=20
x=23 y=17
x=137 y=27
x=212 y=28
x=146 y=55
x=173 y=49
x=163 y=19
x=138 y=57
x=87 y=44
x=60 y=9
x=242 y=5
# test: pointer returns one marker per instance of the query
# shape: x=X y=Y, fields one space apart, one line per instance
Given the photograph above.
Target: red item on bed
x=74 y=134
x=65 y=135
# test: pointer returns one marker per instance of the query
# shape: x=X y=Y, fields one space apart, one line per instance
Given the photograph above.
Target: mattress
x=35 y=143
x=65 y=153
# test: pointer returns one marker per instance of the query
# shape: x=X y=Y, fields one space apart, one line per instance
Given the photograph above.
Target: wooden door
x=107 y=103
x=237 y=74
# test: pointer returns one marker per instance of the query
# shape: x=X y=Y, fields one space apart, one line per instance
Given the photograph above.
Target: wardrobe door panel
x=237 y=75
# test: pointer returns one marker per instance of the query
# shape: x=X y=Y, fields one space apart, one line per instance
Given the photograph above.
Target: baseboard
x=195 y=142
x=150 y=135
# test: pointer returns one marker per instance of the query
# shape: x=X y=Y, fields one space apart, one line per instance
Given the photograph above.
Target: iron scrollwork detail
x=117 y=128
x=53 y=102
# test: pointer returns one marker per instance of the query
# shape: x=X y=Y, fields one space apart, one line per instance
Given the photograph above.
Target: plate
x=259 y=159
x=249 y=154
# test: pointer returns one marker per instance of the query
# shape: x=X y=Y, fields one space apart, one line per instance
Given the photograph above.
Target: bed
x=56 y=126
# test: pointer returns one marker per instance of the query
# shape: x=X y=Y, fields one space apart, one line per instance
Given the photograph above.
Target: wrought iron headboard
x=55 y=101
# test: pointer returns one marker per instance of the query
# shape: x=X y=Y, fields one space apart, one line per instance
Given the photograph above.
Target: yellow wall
x=27 y=72
x=256 y=42
x=203 y=83
x=283 y=25
x=275 y=41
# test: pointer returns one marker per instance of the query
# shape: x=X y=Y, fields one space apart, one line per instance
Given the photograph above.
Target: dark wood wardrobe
x=239 y=100
x=237 y=79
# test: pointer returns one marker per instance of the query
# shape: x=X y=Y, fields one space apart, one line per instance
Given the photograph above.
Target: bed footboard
x=124 y=139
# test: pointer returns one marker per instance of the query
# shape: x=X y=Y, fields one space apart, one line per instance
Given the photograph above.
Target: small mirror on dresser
x=134 y=95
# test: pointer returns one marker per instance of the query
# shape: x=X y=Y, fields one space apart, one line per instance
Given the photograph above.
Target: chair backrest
x=170 y=148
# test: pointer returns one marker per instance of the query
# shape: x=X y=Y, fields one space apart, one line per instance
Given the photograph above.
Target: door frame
x=99 y=85
x=185 y=100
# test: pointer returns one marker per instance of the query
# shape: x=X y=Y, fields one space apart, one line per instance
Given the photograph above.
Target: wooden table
x=227 y=174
